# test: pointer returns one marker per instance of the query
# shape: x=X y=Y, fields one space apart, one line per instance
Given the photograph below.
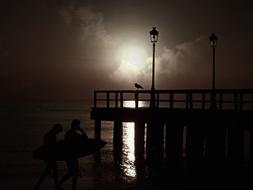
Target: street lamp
x=153 y=38
x=213 y=43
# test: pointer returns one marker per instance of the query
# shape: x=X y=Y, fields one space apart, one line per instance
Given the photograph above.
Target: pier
x=196 y=125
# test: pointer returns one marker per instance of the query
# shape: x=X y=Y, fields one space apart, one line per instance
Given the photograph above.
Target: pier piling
x=196 y=133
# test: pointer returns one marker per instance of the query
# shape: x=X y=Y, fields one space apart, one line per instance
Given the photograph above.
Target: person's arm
x=83 y=133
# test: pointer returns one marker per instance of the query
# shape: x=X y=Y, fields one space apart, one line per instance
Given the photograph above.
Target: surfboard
x=62 y=151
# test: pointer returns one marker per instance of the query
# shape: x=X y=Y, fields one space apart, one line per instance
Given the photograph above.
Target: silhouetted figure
x=72 y=140
x=51 y=165
x=137 y=86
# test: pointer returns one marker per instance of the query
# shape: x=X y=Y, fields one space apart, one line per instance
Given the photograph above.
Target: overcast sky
x=65 y=49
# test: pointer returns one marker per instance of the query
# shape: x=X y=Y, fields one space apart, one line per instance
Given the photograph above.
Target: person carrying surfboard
x=72 y=138
x=50 y=140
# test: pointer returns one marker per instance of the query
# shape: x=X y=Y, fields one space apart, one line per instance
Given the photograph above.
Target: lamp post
x=153 y=38
x=213 y=43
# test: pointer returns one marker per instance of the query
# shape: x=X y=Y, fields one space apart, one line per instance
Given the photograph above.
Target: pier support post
x=195 y=145
x=97 y=129
x=154 y=141
x=173 y=143
x=117 y=139
x=250 y=148
x=235 y=144
x=139 y=148
x=139 y=140
x=216 y=141
x=97 y=135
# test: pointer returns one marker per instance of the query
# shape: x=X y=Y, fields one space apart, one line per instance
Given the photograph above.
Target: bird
x=137 y=86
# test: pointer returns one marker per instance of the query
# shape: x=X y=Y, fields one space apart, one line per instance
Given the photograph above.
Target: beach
x=23 y=125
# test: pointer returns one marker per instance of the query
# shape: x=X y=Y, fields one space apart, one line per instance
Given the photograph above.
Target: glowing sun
x=133 y=62
x=133 y=56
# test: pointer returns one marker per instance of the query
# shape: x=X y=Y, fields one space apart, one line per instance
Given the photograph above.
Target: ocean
x=23 y=125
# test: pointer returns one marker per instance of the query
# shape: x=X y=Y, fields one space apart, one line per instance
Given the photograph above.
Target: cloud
x=175 y=66
x=188 y=61
x=93 y=46
x=66 y=13
x=91 y=23
x=184 y=57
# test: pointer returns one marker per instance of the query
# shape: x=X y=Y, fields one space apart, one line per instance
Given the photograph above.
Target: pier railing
x=182 y=130
x=221 y=99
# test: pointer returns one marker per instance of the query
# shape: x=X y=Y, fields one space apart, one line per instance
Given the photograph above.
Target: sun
x=134 y=56
x=133 y=62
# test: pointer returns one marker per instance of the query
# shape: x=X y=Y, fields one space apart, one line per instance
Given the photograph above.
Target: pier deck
x=215 y=125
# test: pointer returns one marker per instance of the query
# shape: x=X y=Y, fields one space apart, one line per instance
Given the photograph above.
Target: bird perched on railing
x=137 y=86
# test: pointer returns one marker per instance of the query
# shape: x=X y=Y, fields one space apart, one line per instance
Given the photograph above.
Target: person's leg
x=62 y=180
x=75 y=173
x=74 y=182
x=66 y=176
x=55 y=173
x=43 y=175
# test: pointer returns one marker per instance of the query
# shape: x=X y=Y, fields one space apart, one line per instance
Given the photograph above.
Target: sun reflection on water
x=128 y=157
x=128 y=164
x=131 y=104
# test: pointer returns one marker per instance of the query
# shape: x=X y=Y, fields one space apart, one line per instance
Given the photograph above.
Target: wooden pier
x=196 y=125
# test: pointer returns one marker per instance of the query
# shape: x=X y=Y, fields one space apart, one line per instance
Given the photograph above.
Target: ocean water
x=23 y=125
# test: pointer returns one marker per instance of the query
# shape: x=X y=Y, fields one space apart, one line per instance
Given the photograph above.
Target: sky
x=66 y=49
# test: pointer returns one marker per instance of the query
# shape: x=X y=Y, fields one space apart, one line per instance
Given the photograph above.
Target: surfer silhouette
x=50 y=140
x=72 y=140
